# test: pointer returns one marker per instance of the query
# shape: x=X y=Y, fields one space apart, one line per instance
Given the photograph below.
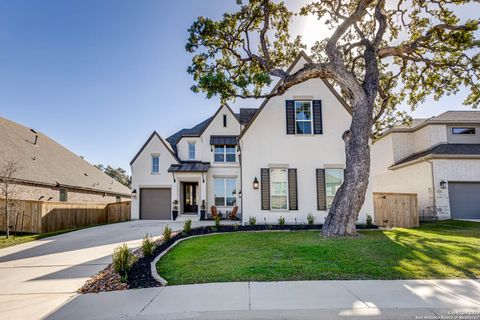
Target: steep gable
x=165 y=144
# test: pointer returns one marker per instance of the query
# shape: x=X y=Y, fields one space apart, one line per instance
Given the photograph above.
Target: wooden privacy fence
x=39 y=216
x=396 y=209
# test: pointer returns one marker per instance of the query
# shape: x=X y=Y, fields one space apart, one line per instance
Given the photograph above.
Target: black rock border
x=140 y=275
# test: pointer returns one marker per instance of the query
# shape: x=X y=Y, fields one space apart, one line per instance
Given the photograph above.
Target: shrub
x=147 y=245
x=369 y=221
x=281 y=221
x=122 y=260
x=167 y=233
x=252 y=221
x=217 y=221
x=187 y=226
x=310 y=219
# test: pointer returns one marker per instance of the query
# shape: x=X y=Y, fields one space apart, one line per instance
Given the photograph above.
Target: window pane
x=219 y=149
x=220 y=201
x=304 y=127
x=303 y=110
x=230 y=157
x=231 y=149
x=219 y=158
x=231 y=186
x=191 y=151
x=463 y=130
x=219 y=154
x=333 y=181
x=155 y=164
x=278 y=179
x=219 y=187
x=231 y=201
x=279 y=202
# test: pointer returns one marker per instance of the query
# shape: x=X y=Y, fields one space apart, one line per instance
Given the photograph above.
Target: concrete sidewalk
x=363 y=299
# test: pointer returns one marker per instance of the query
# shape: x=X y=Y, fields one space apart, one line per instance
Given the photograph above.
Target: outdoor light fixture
x=443 y=184
x=134 y=193
x=255 y=183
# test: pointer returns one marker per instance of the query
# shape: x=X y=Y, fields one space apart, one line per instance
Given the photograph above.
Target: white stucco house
x=285 y=158
x=436 y=158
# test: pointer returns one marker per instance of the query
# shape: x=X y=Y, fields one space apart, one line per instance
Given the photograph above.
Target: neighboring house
x=436 y=158
x=284 y=159
x=48 y=171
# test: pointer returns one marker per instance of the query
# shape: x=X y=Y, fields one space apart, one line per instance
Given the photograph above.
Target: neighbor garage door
x=155 y=203
x=464 y=200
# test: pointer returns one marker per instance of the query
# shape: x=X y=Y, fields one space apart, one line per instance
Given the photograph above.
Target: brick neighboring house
x=50 y=172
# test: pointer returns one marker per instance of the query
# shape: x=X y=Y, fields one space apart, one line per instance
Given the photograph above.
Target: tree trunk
x=343 y=214
x=7 y=220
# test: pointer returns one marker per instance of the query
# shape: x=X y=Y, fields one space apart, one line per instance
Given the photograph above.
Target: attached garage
x=464 y=200
x=155 y=203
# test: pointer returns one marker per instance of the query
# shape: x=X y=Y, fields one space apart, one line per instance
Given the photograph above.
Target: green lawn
x=447 y=249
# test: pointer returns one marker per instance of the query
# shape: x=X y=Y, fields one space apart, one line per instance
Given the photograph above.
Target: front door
x=190 y=197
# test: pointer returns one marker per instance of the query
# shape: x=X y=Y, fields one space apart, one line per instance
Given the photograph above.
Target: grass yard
x=447 y=249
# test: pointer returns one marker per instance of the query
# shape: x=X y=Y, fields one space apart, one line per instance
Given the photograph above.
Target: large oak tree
x=379 y=54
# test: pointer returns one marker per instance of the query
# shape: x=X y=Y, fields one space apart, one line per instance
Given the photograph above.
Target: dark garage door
x=155 y=203
x=464 y=200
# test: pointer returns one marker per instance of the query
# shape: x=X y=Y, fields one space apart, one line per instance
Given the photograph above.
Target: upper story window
x=63 y=195
x=303 y=117
x=225 y=154
x=191 y=150
x=278 y=189
x=463 y=130
x=333 y=181
x=224 y=120
x=155 y=163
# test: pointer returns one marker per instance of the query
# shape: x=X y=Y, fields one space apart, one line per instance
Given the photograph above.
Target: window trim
x=271 y=193
x=463 y=133
x=224 y=179
x=153 y=156
x=224 y=146
x=192 y=144
x=311 y=117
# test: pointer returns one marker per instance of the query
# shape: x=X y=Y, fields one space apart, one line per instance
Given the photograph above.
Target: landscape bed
x=447 y=249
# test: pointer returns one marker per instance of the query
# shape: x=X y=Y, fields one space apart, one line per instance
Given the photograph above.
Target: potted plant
x=175 y=209
x=202 y=210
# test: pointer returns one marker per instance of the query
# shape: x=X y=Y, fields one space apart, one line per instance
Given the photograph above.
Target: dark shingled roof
x=244 y=117
x=246 y=114
x=194 y=131
x=190 y=166
x=444 y=149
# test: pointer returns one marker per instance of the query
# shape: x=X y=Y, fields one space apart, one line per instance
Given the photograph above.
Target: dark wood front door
x=190 y=197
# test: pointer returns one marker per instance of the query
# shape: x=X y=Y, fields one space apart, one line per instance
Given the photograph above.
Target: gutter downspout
x=433 y=188
x=241 y=176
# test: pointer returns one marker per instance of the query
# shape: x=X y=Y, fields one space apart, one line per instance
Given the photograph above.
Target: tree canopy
x=387 y=51
x=118 y=174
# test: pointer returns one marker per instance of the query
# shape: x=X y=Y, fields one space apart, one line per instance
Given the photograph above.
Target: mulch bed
x=140 y=275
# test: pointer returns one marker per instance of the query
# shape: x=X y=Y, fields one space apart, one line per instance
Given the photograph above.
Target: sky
x=99 y=76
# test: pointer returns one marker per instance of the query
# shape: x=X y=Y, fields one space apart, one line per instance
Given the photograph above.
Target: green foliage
x=122 y=260
x=310 y=219
x=148 y=245
x=401 y=53
x=369 y=221
x=281 y=221
x=217 y=221
x=118 y=174
x=187 y=226
x=252 y=221
x=167 y=233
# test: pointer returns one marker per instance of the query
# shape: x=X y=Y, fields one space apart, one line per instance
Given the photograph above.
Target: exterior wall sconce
x=443 y=184
x=134 y=193
x=255 y=183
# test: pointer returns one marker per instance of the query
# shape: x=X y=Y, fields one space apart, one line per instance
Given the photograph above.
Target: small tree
x=8 y=173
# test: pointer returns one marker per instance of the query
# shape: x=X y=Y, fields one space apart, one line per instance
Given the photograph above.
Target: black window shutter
x=292 y=189
x=317 y=117
x=321 y=195
x=290 y=116
x=265 y=188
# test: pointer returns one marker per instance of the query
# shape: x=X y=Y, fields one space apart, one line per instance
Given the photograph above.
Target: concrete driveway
x=37 y=277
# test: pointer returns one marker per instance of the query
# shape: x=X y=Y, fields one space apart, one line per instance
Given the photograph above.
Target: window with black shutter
x=265 y=188
x=292 y=189
x=321 y=196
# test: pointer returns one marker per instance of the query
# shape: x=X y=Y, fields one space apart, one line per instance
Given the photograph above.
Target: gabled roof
x=197 y=130
x=443 y=150
x=303 y=55
x=49 y=163
x=447 y=117
x=155 y=134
